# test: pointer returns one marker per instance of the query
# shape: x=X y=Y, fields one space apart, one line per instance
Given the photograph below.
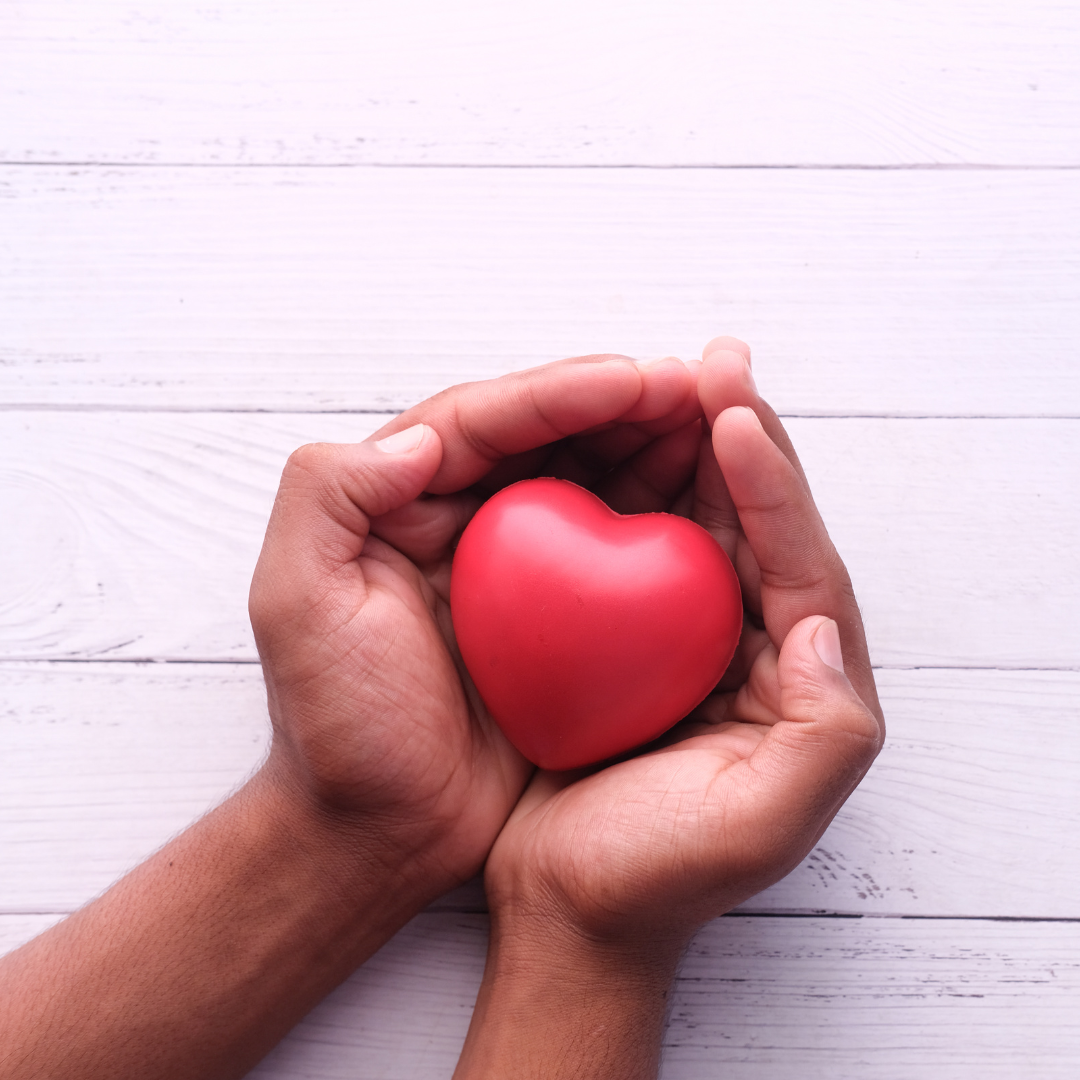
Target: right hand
x=376 y=724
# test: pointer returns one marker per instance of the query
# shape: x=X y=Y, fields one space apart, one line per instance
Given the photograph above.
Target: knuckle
x=311 y=459
x=472 y=437
x=860 y=737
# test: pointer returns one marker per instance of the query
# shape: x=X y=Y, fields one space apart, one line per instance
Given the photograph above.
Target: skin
x=598 y=880
x=386 y=783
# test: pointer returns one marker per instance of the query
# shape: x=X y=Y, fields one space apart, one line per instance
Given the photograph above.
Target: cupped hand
x=647 y=849
x=374 y=719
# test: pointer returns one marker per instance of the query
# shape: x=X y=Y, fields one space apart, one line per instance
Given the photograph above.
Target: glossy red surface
x=588 y=632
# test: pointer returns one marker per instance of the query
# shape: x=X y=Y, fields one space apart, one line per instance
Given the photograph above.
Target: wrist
x=363 y=869
x=557 y=1001
x=247 y=919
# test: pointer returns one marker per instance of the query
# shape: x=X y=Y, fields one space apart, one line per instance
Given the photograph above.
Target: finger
x=517 y=467
x=713 y=509
x=827 y=736
x=725 y=380
x=585 y=458
x=320 y=520
x=666 y=385
x=801 y=574
x=650 y=481
x=482 y=423
x=726 y=344
x=753 y=642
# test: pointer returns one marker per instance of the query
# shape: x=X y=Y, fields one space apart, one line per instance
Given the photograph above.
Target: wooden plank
x=965 y=808
x=133 y=536
x=16 y=930
x=103 y=763
x=965 y=813
x=866 y=293
x=756 y=999
x=876 y=999
x=778 y=82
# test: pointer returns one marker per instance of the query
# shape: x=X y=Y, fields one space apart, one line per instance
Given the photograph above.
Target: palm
x=618 y=839
x=380 y=713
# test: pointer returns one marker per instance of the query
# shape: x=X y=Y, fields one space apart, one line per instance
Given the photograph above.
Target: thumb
x=827 y=737
x=327 y=496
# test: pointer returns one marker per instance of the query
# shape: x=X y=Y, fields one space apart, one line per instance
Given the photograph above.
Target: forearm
x=196 y=963
x=556 y=1006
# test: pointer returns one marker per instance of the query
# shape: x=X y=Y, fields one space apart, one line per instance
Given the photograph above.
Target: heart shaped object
x=588 y=632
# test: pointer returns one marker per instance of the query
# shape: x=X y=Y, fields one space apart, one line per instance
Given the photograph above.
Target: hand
x=598 y=879
x=373 y=719
x=386 y=782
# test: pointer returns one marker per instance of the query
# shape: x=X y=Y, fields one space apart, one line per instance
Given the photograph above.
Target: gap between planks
x=748 y=166
x=101 y=407
x=254 y=662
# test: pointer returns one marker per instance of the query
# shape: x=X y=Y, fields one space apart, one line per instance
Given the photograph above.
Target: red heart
x=588 y=632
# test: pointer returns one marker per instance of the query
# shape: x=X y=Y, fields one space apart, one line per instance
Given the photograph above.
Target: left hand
x=734 y=797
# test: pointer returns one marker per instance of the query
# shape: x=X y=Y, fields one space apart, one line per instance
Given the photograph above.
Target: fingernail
x=827 y=645
x=401 y=442
x=654 y=363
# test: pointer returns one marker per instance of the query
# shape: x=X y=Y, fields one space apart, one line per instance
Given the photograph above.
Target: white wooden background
x=230 y=227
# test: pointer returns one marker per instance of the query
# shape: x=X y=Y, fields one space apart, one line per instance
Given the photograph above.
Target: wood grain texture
x=159 y=516
x=309 y=254
x=756 y=999
x=888 y=999
x=103 y=763
x=967 y=812
x=16 y=930
x=679 y=82
x=867 y=293
x=133 y=536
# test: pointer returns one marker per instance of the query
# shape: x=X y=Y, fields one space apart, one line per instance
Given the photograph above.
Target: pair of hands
x=377 y=723
x=387 y=783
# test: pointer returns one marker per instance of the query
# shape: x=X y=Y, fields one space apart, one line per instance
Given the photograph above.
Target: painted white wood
x=867 y=293
x=876 y=999
x=16 y=930
x=133 y=536
x=557 y=82
x=972 y=808
x=307 y=289
x=102 y=763
x=756 y=999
